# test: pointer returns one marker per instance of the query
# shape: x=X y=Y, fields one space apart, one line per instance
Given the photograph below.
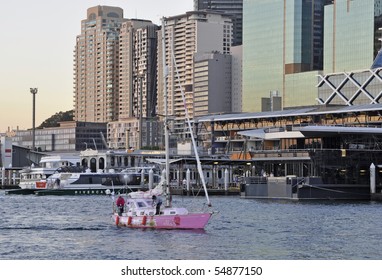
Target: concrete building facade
x=233 y=8
x=96 y=69
x=186 y=35
x=69 y=136
x=212 y=84
x=137 y=87
x=237 y=78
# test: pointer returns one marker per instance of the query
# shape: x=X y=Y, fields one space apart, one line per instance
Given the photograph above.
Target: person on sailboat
x=157 y=202
x=120 y=205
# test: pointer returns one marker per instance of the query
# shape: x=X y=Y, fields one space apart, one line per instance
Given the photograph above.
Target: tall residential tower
x=96 y=69
x=185 y=36
x=115 y=75
x=233 y=8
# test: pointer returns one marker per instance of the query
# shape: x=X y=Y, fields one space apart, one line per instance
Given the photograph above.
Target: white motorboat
x=35 y=178
x=84 y=183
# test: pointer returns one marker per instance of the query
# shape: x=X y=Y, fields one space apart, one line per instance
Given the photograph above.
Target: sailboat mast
x=166 y=128
x=199 y=165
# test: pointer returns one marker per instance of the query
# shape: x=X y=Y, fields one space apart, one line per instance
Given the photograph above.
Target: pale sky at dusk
x=36 y=50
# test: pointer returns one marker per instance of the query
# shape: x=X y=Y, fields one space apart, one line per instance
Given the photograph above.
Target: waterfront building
x=69 y=136
x=96 y=69
x=282 y=51
x=5 y=150
x=234 y=8
x=126 y=134
x=186 y=35
x=336 y=143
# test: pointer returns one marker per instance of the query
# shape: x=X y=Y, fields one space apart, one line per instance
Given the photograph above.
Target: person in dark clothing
x=157 y=202
x=120 y=205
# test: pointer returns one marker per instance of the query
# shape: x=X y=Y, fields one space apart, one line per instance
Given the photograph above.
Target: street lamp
x=33 y=92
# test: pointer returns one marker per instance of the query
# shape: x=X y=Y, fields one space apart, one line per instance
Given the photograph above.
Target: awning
x=316 y=131
x=162 y=160
x=261 y=134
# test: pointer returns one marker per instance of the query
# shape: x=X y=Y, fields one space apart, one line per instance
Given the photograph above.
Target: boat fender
x=129 y=220
x=177 y=220
x=117 y=220
x=144 y=220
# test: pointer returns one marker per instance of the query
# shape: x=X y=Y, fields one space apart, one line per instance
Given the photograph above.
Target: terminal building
x=336 y=143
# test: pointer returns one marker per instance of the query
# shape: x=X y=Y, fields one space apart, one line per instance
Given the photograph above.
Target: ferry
x=89 y=183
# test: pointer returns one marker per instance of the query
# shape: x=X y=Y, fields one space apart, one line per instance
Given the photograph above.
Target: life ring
x=117 y=221
x=144 y=220
x=129 y=219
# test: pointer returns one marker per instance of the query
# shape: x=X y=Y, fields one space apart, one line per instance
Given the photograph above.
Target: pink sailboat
x=140 y=210
x=141 y=213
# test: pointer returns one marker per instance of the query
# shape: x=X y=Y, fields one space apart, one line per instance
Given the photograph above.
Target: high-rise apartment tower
x=96 y=69
x=234 y=8
x=185 y=35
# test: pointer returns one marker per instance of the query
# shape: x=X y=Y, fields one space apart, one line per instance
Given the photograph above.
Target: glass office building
x=351 y=34
x=283 y=43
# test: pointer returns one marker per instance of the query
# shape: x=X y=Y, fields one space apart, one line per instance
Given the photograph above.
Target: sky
x=36 y=51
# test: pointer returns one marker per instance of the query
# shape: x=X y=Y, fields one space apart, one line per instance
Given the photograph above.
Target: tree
x=56 y=118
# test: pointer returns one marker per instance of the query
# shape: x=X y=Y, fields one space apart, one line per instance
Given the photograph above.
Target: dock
x=376 y=196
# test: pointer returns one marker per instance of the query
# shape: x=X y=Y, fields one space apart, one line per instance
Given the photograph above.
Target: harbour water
x=80 y=228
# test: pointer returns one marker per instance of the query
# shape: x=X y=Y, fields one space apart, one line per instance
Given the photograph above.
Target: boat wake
x=49 y=228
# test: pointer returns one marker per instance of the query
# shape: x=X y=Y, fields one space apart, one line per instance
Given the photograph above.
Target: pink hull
x=189 y=221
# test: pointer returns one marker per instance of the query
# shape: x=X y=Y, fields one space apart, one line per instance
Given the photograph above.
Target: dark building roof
x=306 y=111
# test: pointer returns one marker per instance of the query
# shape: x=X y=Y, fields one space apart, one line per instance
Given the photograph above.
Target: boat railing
x=254 y=180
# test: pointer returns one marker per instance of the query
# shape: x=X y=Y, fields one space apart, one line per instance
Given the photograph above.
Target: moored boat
x=88 y=183
x=35 y=178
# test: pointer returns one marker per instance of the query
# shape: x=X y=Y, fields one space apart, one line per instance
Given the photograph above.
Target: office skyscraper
x=234 y=8
x=352 y=34
x=282 y=47
x=352 y=41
